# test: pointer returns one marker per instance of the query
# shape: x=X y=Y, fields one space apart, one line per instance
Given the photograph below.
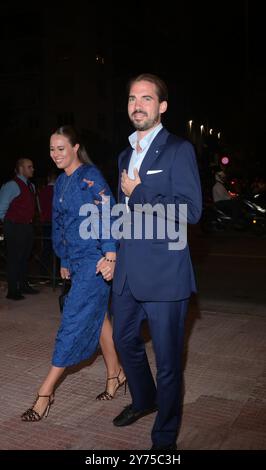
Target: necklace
x=67 y=183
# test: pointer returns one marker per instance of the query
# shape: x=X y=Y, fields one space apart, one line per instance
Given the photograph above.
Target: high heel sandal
x=32 y=415
x=108 y=396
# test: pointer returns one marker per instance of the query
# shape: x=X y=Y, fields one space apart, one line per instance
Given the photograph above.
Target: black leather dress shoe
x=165 y=447
x=129 y=416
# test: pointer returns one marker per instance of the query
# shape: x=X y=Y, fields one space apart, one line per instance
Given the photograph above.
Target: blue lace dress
x=80 y=239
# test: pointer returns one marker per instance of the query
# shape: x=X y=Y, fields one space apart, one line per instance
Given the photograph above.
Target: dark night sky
x=211 y=54
x=203 y=42
x=201 y=48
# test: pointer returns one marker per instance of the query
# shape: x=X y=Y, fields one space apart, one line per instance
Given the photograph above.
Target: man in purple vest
x=17 y=207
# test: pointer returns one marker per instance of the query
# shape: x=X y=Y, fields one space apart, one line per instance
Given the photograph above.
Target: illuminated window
x=99 y=59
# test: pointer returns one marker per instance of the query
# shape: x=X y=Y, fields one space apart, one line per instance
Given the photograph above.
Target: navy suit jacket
x=155 y=273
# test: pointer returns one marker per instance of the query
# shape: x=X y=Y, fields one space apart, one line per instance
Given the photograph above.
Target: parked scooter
x=255 y=207
x=254 y=217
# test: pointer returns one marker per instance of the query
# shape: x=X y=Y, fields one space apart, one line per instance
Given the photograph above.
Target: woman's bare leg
x=47 y=388
x=113 y=366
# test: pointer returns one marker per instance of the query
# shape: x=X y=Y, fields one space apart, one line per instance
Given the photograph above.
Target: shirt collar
x=147 y=139
x=23 y=178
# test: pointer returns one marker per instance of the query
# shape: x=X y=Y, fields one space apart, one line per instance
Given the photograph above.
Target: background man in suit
x=17 y=207
x=152 y=282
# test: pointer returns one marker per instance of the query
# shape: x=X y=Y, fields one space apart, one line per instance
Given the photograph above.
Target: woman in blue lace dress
x=87 y=251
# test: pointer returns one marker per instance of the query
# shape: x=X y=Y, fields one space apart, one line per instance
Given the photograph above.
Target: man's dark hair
x=161 y=87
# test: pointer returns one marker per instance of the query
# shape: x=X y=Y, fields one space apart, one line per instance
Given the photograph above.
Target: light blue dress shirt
x=138 y=157
x=8 y=192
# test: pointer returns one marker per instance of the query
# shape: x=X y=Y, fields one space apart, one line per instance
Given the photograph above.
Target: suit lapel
x=125 y=159
x=153 y=153
x=156 y=147
x=124 y=164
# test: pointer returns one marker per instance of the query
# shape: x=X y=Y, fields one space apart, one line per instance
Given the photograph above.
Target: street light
x=225 y=160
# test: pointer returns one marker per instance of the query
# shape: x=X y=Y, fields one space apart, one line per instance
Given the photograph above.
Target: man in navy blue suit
x=154 y=277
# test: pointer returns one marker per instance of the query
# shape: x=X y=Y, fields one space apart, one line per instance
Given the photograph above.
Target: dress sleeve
x=58 y=236
x=103 y=199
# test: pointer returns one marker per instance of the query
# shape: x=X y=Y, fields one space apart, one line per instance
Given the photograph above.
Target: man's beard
x=144 y=126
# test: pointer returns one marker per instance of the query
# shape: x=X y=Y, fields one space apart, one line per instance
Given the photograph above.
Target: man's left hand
x=127 y=184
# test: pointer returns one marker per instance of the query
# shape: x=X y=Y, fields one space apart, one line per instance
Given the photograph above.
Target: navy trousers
x=19 y=242
x=166 y=325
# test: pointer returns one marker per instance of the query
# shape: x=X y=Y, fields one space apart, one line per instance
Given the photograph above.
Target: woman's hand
x=64 y=272
x=106 y=266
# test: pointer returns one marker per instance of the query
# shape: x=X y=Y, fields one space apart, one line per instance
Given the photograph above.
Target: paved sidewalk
x=225 y=383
